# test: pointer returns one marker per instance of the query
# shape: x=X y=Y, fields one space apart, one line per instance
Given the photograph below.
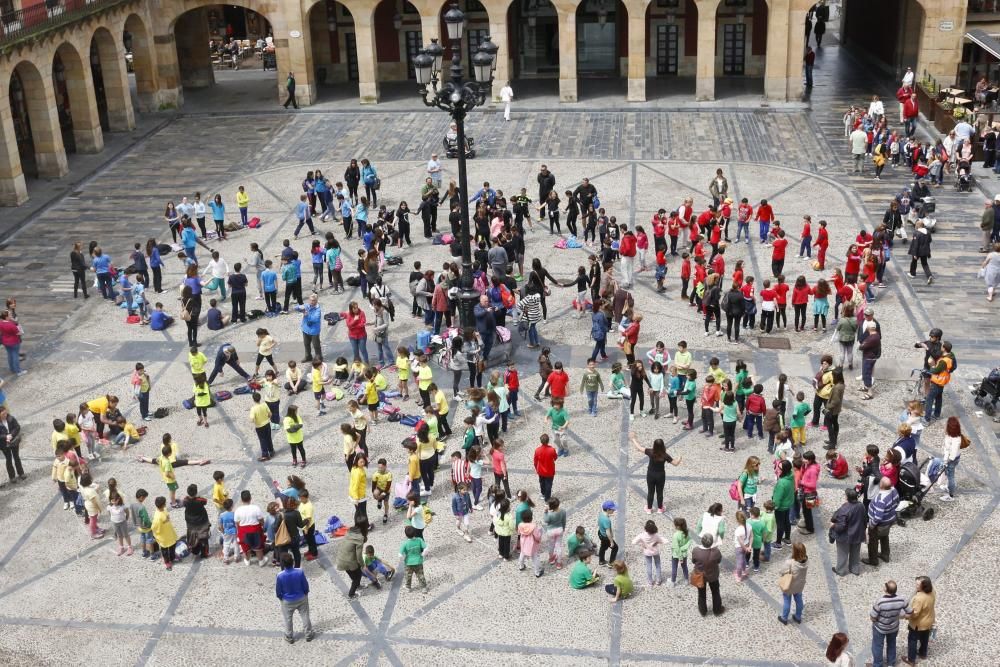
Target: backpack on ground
x=223 y=395
x=255 y=314
x=242 y=390
x=409 y=420
x=161 y=413
x=254 y=223
x=395 y=260
x=353 y=281
x=188 y=404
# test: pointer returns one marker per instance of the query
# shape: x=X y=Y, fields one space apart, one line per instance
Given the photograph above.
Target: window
x=733 y=48
x=736 y=3
x=351 y=42
x=413 y=46
x=668 y=4
x=666 y=48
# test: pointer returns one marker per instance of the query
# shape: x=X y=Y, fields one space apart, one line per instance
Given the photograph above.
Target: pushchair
x=987 y=392
x=451 y=147
x=964 y=179
x=913 y=485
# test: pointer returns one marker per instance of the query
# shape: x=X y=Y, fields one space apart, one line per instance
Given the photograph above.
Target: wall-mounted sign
x=295 y=34
x=946 y=26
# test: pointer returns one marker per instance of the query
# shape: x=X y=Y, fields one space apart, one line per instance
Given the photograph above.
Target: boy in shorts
x=371 y=395
x=320 y=381
x=381 y=488
x=374 y=567
x=143 y=524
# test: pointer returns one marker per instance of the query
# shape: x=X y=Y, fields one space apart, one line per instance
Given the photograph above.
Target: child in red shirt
x=836 y=464
x=822 y=242
x=715 y=237
x=685 y=274
x=800 y=299
x=641 y=246
x=743 y=214
x=557 y=381
x=750 y=303
x=768 y=305
x=727 y=215
x=709 y=400
x=659 y=223
x=661 y=269
x=781 y=299
x=805 y=248
x=700 y=273
x=853 y=265
x=513 y=382
x=719 y=262
x=674 y=230
x=697 y=249
x=778 y=253
x=738 y=274
x=765 y=214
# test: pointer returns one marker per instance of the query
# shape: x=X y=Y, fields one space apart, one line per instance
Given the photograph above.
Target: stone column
x=293 y=50
x=50 y=155
x=497 y=12
x=566 y=12
x=194 y=61
x=83 y=106
x=778 y=58
x=13 y=189
x=636 y=50
x=364 y=36
x=795 y=75
x=704 y=87
x=169 y=93
x=941 y=50
x=121 y=115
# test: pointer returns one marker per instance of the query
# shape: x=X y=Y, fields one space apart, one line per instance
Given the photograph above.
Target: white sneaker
x=65 y=506
x=718 y=333
x=478 y=508
x=671 y=583
x=263 y=562
x=468 y=538
x=947 y=498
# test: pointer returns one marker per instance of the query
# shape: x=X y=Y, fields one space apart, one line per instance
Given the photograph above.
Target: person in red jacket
x=674 y=224
x=557 y=382
x=727 y=214
x=715 y=238
x=764 y=216
x=738 y=274
x=719 y=262
x=822 y=242
x=778 y=247
x=781 y=299
x=685 y=274
x=700 y=273
x=513 y=382
x=659 y=224
x=853 y=265
x=800 y=299
x=627 y=250
x=910 y=113
x=836 y=464
x=686 y=210
x=545 y=465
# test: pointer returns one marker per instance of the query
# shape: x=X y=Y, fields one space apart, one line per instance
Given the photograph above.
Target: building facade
x=68 y=65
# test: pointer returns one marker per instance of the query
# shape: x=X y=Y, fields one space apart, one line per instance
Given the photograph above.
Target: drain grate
x=34 y=266
x=773 y=343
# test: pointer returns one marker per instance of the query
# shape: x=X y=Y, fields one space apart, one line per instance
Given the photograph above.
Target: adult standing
x=434 y=171
x=706 y=558
x=735 y=310
x=794 y=569
x=78 y=265
x=189 y=241
x=10 y=337
x=807 y=492
x=546 y=182
x=871 y=350
x=940 y=375
x=381 y=333
x=585 y=194
x=155 y=264
x=881 y=517
x=486 y=325
x=290 y=87
x=352 y=176
x=718 y=188
x=823 y=384
x=293 y=524
x=351 y=556
x=599 y=327
x=954 y=440
x=920 y=250
x=356 y=331
x=858 y=142
x=371 y=180
x=885 y=614
x=810 y=61
x=833 y=407
x=100 y=264
x=292 y=589
x=200 y=211
x=848 y=528
x=250 y=529
x=191 y=310
x=656 y=474
x=218 y=216
x=990 y=270
x=10 y=445
x=783 y=497
x=238 y=291
x=506 y=95
x=312 y=322
x=921 y=620
x=910 y=112
x=173 y=219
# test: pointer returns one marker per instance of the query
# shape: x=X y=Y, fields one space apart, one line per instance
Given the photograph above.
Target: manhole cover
x=773 y=343
x=34 y=266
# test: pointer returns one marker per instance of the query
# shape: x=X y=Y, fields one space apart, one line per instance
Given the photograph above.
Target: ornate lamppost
x=458 y=97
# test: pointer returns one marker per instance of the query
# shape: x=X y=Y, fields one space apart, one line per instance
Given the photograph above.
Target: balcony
x=18 y=25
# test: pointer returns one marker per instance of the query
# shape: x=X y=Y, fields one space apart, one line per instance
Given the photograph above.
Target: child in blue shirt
x=126 y=287
x=227 y=527
x=269 y=279
x=304 y=215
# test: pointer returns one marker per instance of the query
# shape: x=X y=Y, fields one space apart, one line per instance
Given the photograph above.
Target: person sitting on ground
x=214 y=317
x=158 y=319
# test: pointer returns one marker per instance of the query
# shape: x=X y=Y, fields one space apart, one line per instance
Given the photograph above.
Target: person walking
x=881 y=517
x=885 y=614
x=706 y=559
x=10 y=337
x=78 y=265
x=848 y=528
x=290 y=87
x=989 y=271
x=920 y=250
x=921 y=620
x=351 y=556
x=292 y=589
x=506 y=95
x=792 y=581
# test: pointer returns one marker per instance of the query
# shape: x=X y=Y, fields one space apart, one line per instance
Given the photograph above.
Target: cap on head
x=609 y=505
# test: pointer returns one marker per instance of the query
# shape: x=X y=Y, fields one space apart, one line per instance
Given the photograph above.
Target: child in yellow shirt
x=403 y=370
x=320 y=381
x=129 y=434
x=72 y=432
x=163 y=531
x=308 y=514
x=381 y=487
x=219 y=492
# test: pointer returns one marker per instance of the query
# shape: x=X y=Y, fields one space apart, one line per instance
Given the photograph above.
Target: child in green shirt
x=582 y=576
x=769 y=527
x=618 y=388
x=621 y=586
x=412 y=551
x=680 y=546
x=742 y=375
x=798 y=422
x=579 y=541
x=758 y=528
x=730 y=415
x=690 y=395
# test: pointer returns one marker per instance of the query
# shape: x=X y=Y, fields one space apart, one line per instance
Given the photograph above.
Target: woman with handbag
x=10 y=337
x=792 y=581
x=807 y=491
x=536 y=283
x=371 y=180
x=10 y=443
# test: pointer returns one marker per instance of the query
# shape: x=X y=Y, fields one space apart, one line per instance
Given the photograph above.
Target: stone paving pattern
x=56 y=583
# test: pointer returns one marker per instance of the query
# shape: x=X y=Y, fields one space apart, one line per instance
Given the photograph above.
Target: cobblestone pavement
x=126 y=611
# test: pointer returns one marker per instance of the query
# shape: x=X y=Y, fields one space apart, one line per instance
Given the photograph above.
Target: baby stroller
x=987 y=393
x=451 y=147
x=964 y=178
x=913 y=485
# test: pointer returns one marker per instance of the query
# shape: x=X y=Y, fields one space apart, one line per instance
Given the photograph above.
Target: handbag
x=377 y=184
x=185 y=313
x=282 y=538
x=785 y=582
x=698 y=579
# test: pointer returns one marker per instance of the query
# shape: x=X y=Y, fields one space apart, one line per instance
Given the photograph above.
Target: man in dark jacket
x=920 y=250
x=546 y=181
x=706 y=559
x=871 y=350
x=585 y=194
x=847 y=527
x=881 y=517
x=486 y=325
x=290 y=87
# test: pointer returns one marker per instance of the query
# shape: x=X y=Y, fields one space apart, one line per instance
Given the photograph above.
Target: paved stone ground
x=84 y=601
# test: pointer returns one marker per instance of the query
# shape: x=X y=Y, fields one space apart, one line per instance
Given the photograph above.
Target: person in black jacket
x=352 y=176
x=10 y=444
x=892 y=219
x=920 y=249
x=198 y=524
x=293 y=524
x=546 y=181
x=78 y=265
x=735 y=309
x=847 y=527
x=713 y=294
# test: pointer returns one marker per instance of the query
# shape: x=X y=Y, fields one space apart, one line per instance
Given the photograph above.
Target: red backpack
x=506 y=297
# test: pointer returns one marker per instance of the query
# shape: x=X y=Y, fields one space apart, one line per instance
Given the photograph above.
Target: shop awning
x=984 y=40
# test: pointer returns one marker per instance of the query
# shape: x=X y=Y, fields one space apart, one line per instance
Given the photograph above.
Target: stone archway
x=138 y=44
x=110 y=76
x=36 y=123
x=333 y=49
x=75 y=101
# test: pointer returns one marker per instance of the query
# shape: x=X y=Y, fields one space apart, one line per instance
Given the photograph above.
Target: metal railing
x=45 y=16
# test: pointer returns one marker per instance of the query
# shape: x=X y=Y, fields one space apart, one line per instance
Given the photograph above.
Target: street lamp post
x=458 y=97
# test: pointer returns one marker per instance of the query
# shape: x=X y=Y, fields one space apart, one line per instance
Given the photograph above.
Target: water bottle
x=933 y=632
